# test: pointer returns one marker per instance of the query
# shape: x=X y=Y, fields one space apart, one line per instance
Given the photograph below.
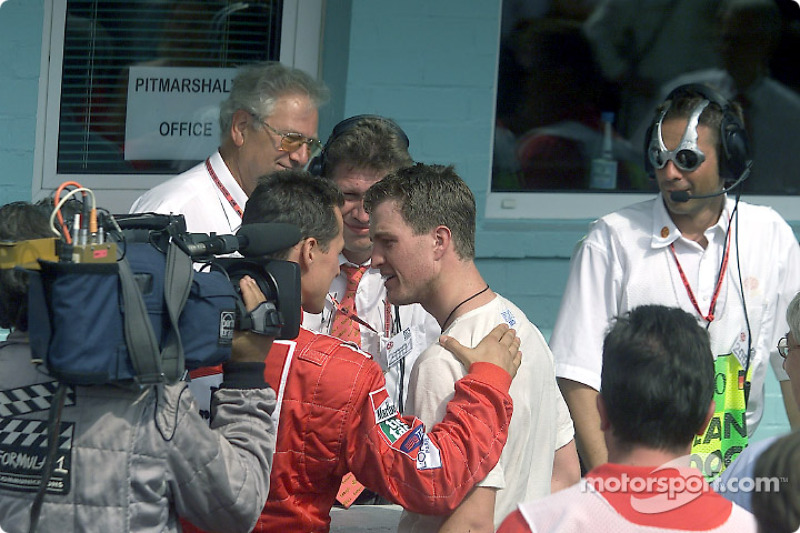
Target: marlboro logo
x=385 y=410
x=382 y=405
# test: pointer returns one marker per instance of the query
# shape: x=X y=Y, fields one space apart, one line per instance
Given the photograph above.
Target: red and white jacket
x=335 y=416
x=619 y=498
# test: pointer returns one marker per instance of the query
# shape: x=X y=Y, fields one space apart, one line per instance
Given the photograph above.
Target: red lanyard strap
x=223 y=190
x=710 y=317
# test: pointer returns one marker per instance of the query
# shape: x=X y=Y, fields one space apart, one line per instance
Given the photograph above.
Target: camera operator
x=128 y=458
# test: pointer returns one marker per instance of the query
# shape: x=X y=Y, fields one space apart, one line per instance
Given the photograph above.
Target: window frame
x=592 y=205
x=584 y=204
x=301 y=39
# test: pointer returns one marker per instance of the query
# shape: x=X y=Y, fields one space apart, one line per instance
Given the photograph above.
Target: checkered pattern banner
x=30 y=399
x=32 y=434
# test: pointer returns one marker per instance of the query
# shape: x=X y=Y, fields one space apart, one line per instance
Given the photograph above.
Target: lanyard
x=387 y=314
x=390 y=326
x=223 y=190
x=710 y=317
x=349 y=313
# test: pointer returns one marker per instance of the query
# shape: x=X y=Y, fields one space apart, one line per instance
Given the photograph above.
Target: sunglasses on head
x=687 y=156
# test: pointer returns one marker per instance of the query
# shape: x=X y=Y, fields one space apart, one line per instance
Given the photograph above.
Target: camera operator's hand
x=500 y=347
x=249 y=346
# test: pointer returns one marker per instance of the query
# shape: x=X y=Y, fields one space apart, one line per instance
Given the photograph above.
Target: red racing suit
x=335 y=416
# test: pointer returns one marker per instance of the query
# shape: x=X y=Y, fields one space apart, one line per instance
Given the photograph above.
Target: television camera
x=137 y=299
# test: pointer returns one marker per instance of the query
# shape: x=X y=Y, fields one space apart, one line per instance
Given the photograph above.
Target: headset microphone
x=684 y=196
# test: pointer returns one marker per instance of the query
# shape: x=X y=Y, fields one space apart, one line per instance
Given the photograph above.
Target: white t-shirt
x=384 y=323
x=196 y=196
x=539 y=426
x=625 y=261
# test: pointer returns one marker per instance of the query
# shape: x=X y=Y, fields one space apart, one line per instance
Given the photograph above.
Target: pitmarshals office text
x=182 y=85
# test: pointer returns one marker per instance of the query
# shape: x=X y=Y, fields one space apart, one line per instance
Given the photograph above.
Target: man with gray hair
x=267 y=123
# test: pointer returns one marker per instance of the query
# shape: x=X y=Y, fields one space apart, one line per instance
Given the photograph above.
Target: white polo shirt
x=625 y=261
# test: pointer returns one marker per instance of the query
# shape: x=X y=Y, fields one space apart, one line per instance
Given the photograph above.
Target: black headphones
x=735 y=157
x=316 y=165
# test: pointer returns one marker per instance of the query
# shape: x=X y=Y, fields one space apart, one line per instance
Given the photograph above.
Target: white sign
x=173 y=112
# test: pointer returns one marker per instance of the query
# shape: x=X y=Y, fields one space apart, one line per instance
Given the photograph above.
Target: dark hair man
x=422 y=224
x=361 y=151
x=335 y=415
x=656 y=396
x=729 y=263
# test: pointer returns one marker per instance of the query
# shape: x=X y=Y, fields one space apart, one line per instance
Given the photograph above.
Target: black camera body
x=280 y=283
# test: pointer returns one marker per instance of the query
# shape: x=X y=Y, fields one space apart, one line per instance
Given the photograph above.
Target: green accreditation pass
x=726 y=434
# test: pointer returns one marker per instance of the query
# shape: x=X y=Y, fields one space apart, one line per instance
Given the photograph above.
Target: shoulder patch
x=428 y=457
x=508 y=317
x=327 y=344
x=413 y=439
x=356 y=348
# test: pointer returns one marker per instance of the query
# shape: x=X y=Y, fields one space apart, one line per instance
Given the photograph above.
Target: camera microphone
x=266 y=238
x=684 y=196
x=252 y=240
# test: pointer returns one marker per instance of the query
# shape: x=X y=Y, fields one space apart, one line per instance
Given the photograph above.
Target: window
x=98 y=48
x=562 y=71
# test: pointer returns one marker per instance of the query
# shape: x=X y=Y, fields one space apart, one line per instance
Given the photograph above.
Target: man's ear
x=240 y=126
x=605 y=423
x=709 y=415
x=309 y=248
x=442 y=240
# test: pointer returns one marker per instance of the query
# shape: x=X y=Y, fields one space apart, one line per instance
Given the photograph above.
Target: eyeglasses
x=784 y=348
x=687 y=156
x=293 y=141
x=686 y=159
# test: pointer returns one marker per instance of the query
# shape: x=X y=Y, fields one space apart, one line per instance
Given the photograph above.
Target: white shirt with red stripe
x=610 y=499
x=196 y=196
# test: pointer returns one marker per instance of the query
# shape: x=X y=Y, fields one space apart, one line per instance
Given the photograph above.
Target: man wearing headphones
x=732 y=265
x=361 y=151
